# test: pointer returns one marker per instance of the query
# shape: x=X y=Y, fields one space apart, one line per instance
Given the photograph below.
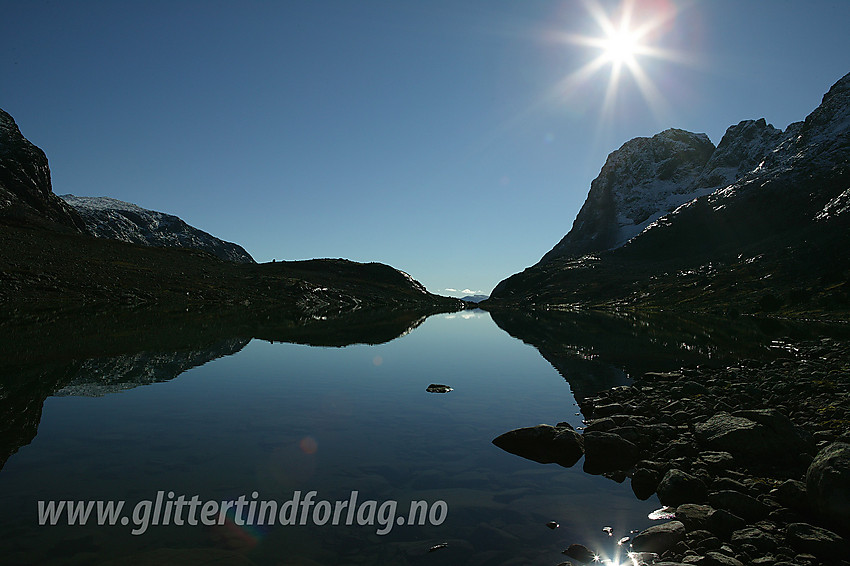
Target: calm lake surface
x=280 y=418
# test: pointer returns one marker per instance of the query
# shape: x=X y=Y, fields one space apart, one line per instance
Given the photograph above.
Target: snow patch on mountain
x=118 y=220
x=644 y=179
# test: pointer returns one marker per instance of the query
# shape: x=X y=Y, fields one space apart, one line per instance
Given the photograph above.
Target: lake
x=269 y=421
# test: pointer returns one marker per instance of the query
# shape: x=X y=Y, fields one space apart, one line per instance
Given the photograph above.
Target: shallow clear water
x=281 y=418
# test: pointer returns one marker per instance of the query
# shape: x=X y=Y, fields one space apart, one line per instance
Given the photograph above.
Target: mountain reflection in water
x=280 y=417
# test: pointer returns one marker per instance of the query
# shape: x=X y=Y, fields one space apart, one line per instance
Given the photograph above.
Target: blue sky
x=451 y=139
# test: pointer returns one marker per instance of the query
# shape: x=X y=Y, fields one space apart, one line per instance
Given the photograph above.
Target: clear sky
x=454 y=139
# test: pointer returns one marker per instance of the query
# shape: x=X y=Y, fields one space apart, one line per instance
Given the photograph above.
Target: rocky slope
x=769 y=239
x=750 y=460
x=26 y=193
x=111 y=218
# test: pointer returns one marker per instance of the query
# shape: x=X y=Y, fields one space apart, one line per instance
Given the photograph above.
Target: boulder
x=644 y=483
x=723 y=523
x=713 y=558
x=608 y=452
x=740 y=504
x=659 y=538
x=693 y=516
x=757 y=438
x=678 y=487
x=792 y=494
x=820 y=542
x=544 y=443
x=758 y=538
x=828 y=484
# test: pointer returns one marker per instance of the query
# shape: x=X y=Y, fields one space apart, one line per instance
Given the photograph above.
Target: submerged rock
x=544 y=443
x=580 y=553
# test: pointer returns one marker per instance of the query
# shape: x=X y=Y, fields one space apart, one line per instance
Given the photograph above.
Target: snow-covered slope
x=645 y=178
x=648 y=178
x=817 y=148
x=118 y=220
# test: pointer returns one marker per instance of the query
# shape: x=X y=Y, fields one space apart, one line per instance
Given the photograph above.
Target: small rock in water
x=623 y=541
x=440 y=546
x=552 y=525
x=580 y=553
x=608 y=530
x=438 y=388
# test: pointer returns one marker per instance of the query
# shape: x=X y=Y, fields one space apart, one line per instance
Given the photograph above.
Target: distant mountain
x=118 y=220
x=761 y=222
x=26 y=194
x=475 y=298
x=50 y=261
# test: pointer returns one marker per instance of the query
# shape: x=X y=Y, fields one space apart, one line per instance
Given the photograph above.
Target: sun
x=621 y=46
x=626 y=42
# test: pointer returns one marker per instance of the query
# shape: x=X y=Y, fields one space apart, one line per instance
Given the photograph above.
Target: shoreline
x=729 y=450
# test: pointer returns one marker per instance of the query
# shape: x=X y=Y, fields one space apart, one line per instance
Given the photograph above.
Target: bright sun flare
x=620 y=46
x=625 y=42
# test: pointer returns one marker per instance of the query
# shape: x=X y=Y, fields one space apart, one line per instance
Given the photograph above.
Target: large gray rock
x=608 y=452
x=758 y=538
x=815 y=540
x=693 y=516
x=659 y=538
x=678 y=487
x=544 y=443
x=757 y=438
x=828 y=484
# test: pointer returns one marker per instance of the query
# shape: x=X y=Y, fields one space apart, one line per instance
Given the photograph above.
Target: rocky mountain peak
x=742 y=148
x=26 y=192
x=643 y=179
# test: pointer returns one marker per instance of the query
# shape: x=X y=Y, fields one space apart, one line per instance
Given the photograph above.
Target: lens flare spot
x=308 y=445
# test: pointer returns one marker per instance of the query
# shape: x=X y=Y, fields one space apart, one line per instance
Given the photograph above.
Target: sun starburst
x=626 y=40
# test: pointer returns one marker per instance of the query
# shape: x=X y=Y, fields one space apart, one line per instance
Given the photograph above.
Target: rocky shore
x=753 y=461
